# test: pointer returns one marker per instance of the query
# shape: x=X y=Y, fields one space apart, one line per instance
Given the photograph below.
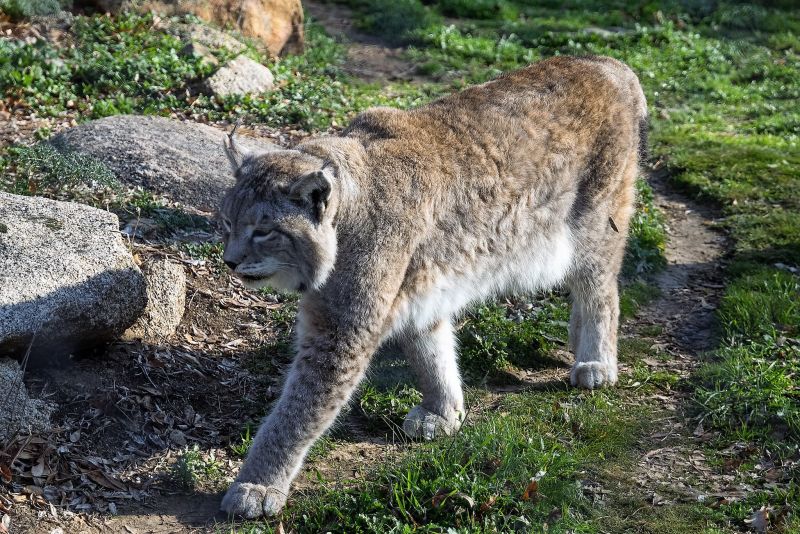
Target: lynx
x=395 y=226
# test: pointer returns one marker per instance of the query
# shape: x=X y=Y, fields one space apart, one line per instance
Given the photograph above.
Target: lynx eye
x=263 y=235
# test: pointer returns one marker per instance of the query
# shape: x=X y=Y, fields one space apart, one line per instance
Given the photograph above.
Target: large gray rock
x=181 y=160
x=67 y=280
x=241 y=76
x=20 y=412
x=166 y=300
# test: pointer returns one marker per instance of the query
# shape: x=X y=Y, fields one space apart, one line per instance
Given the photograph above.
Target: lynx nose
x=231 y=265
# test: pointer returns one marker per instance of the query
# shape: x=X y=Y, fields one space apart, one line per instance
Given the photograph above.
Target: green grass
x=517 y=333
x=387 y=407
x=647 y=236
x=634 y=296
x=476 y=482
x=122 y=65
x=752 y=387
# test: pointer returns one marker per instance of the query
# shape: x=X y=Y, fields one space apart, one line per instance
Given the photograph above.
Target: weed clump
x=20 y=9
x=389 y=406
x=43 y=169
x=194 y=469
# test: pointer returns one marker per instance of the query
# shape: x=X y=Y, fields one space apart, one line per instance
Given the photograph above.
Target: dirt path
x=368 y=57
x=691 y=283
x=672 y=466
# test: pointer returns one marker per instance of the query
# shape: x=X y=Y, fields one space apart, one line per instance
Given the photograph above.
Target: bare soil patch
x=368 y=57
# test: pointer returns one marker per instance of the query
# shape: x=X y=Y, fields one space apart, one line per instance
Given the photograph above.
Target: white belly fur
x=542 y=263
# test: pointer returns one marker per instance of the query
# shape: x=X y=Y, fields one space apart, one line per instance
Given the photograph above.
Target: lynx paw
x=248 y=500
x=592 y=375
x=424 y=424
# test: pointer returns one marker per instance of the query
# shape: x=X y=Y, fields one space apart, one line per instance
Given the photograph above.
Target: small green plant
x=210 y=252
x=245 y=442
x=389 y=406
x=3 y=228
x=193 y=468
x=647 y=237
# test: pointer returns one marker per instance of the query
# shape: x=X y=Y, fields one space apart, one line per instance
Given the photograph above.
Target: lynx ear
x=314 y=189
x=235 y=154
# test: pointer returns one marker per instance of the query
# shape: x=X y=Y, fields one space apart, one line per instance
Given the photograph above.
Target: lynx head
x=277 y=220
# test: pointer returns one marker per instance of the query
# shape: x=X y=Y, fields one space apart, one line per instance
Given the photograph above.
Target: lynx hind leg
x=432 y=355
x=595 y=309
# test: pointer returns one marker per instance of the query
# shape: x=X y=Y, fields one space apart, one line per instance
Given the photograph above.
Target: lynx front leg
x=595 y=318
x=432 y=355
x=322 y=378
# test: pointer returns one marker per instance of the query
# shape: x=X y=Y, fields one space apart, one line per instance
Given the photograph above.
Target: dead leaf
x=30 y=490
x=485 y=507
x=5 y=473
x=98 y=477
x=38 y=470
x=532 y=491
x=469 y=500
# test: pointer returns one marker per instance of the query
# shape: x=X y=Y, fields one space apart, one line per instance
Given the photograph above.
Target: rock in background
x=276 y=23
x=179 y=160
x=241 y=76
x=207 y=36
x=166 y=299
x=67 y=280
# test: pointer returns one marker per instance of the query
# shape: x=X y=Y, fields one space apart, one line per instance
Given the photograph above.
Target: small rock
x=166 y=298
x=20 y=412
x=207 y=37
x=242 y=76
